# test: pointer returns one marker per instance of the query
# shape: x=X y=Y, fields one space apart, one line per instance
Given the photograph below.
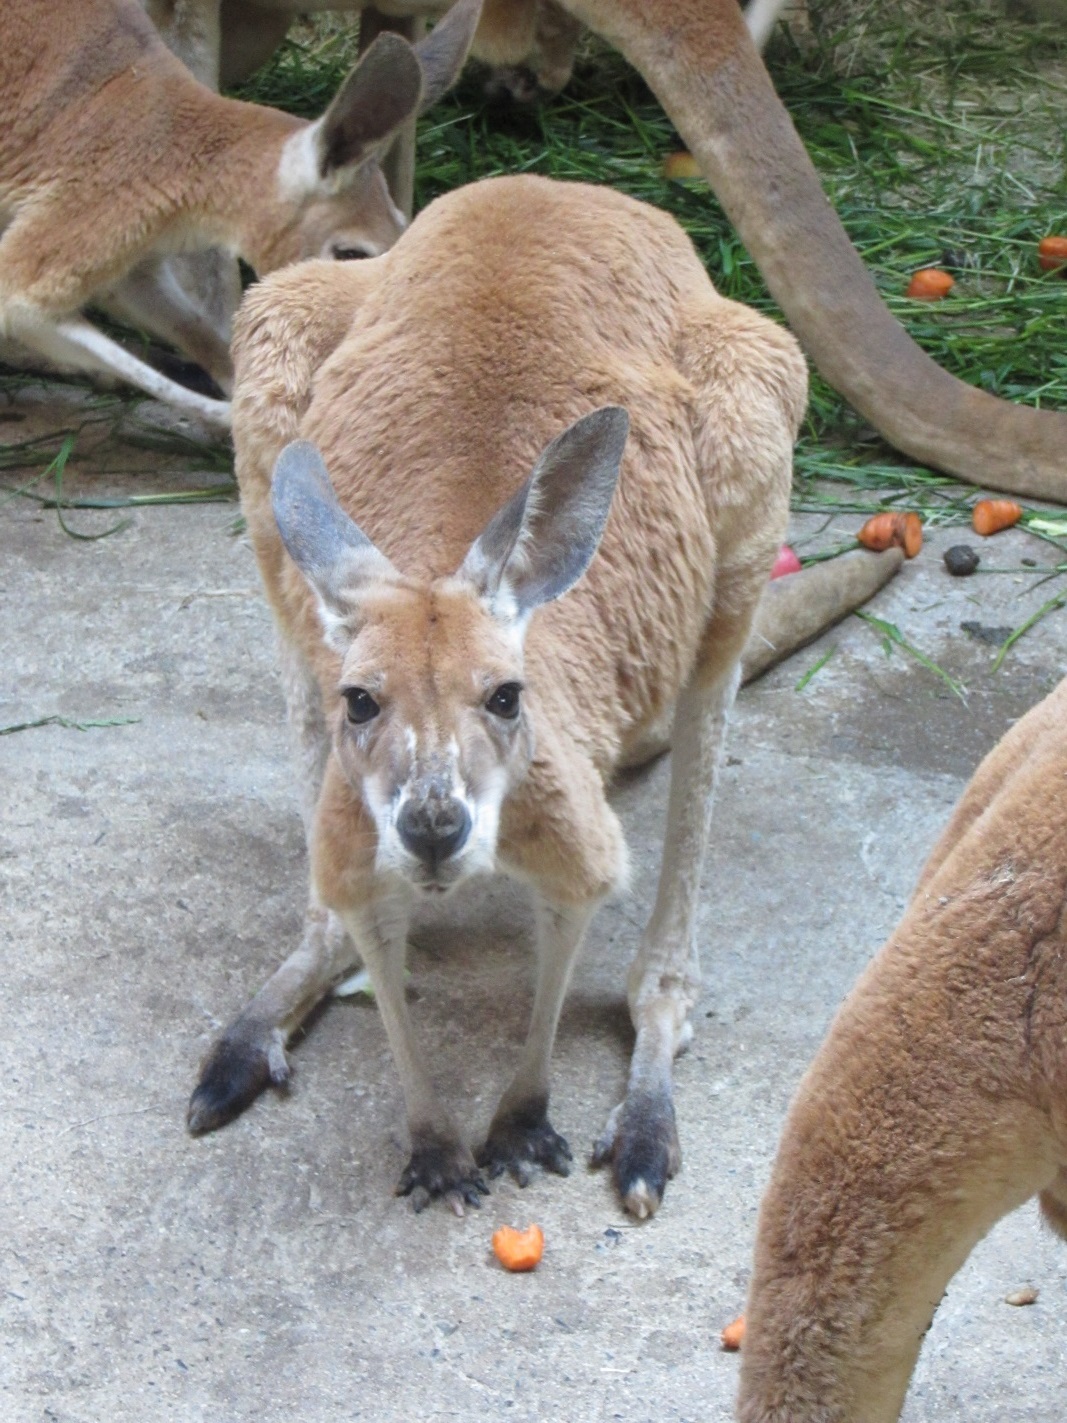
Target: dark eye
x=505 y=700
x=342 y=252
x=361 y=705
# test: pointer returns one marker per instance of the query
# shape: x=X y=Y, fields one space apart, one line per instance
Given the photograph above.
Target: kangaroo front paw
x=520 y=1140
x=641 y=1142
x=247 y=1058
x=441 y=1169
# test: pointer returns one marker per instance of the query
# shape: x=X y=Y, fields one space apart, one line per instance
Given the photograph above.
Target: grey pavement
x=152 y=874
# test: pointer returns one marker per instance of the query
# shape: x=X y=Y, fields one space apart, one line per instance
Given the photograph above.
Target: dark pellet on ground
x=961 y=560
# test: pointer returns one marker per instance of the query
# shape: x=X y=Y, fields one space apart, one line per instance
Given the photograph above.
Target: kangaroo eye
x=505 y=701
x=361 y=705
x=346 y=252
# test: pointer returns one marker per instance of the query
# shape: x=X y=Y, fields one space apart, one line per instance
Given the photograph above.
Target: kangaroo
x=428 y=448
x=112 y=155
x=937 y=1104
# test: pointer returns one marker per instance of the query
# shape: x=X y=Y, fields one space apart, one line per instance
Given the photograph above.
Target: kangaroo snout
x=433 y=830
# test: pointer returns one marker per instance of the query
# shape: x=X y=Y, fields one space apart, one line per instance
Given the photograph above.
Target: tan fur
x=937 y=1103
x=112 y=154
x=429 y=380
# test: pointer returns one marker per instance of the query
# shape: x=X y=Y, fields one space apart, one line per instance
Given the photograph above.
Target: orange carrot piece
x=733 y=1335
x=1052 y=253
x=989 y=516
x=519 y=1249
x=930 y=284
x=891 y=529
x=677 y=166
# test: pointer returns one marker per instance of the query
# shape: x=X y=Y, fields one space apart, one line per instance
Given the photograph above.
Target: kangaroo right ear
x=379 y=95
x=331 y=551
x=443 y=53
x=544 y=538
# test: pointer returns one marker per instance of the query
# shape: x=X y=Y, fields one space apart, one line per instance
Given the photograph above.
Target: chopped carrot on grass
x=883 y=531
x=989 y=516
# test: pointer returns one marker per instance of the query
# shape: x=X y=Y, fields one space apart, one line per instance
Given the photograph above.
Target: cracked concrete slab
x=152 y=874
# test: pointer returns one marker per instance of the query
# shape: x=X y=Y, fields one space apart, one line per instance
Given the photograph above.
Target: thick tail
x=703 y=67
x=796 y=609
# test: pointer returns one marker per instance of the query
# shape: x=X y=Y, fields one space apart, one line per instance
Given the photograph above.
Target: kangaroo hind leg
x=749 y=383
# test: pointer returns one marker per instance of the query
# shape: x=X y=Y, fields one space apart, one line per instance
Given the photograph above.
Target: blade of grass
x=815 y=668
x=1050 y=607
x=893 y=637
x=59 y=464
x=66 y=722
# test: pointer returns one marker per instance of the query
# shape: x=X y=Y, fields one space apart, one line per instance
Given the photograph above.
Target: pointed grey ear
x=443 y=53
x=379 y=95
x=542 y=541
x=331 y=551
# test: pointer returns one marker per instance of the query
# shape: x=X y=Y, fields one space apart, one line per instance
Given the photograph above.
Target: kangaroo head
x=433 y=729
x=329 y=175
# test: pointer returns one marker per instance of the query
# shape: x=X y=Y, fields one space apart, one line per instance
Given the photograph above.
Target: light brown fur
x=429 y=380
x=937 y=1104
x=111 y=154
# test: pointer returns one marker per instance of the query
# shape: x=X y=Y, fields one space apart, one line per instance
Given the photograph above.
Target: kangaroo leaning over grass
x=428 y=447
x=937 y=1104
x=112 y=156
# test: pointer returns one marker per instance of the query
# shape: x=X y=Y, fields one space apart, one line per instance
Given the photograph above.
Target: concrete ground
x=152 y=874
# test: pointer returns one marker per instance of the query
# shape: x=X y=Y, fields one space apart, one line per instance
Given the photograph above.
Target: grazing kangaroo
x=428 y=447
x=937 y=1104
x=112 y=155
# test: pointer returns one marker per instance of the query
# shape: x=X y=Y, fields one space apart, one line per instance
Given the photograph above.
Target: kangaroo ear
x=379 y=95
x=443 y=53
x=542 y=541
x=331 y=551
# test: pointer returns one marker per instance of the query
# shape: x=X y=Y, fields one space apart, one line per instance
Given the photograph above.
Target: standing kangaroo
x=937 y=1104
x=112 y=155
x=454 y=712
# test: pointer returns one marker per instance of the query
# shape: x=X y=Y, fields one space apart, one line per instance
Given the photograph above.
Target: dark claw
x=241 y=1064
x=522 y=1139
x=442 y=1170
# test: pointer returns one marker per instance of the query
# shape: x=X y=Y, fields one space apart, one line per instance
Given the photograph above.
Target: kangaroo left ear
x=380 y=94
x=542 y=541
x=330 y=549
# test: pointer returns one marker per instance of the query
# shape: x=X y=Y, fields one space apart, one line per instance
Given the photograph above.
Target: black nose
x=433 y=829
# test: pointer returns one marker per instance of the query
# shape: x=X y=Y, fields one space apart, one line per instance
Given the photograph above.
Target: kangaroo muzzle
x=433 y=830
